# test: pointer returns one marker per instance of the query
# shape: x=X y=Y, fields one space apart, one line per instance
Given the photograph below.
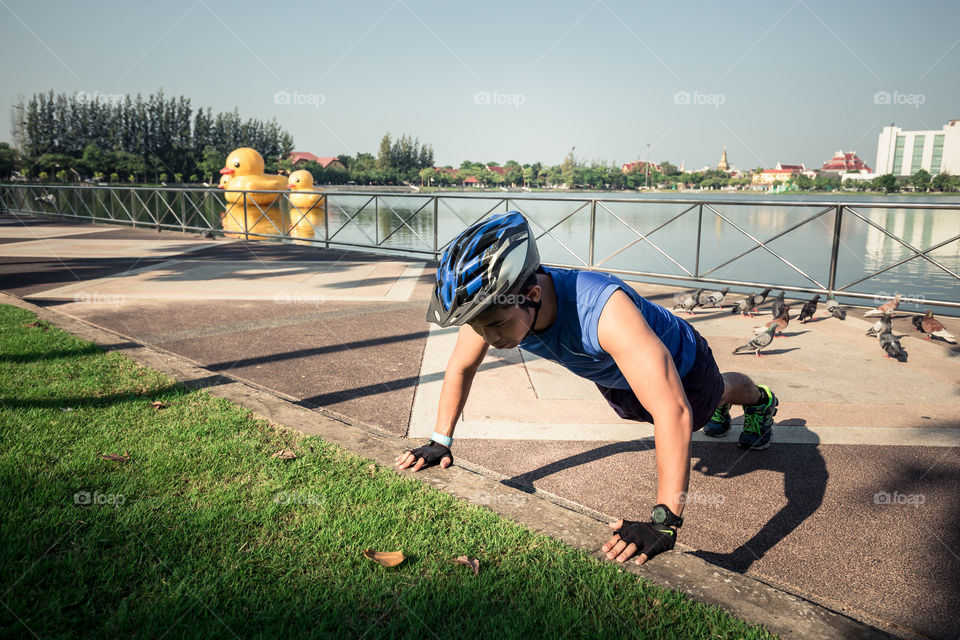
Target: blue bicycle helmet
x=485 y=262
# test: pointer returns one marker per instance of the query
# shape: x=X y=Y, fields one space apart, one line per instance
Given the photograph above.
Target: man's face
x=504 y=327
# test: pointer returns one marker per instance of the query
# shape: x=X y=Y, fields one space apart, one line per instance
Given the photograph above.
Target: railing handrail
x=511 y=195
x=140 y=205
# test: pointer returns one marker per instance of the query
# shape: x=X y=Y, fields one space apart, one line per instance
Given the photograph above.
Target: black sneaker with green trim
x=719 y=422
x=758 y=421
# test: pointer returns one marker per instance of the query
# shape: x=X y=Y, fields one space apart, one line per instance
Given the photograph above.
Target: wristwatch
x=662 y=515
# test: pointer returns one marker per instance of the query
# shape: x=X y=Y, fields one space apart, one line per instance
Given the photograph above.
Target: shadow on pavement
x=305 y=353
x=804 y=479
x=524 y=482
x=804 y=486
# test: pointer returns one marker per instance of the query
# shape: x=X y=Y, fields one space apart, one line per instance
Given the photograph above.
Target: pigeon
x=874 y=331
x=934 y=328
x=777 y=306
x=690 y=302
x=761 y=297
x=780 y=322
x=834 y=308
x=713 y=298
x=889 y=342
x=889 y=306
x=809 y=309
x=745 y=306
x=759 y=342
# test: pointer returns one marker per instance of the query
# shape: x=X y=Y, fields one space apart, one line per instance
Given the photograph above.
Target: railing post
x=326 y=223
x=246 y=226
x=376 y=221
x=436 y=202
x=696 y=265
x=834 y=250
x=593 y=225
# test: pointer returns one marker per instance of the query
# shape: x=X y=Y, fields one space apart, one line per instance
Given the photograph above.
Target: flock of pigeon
x=764 y=334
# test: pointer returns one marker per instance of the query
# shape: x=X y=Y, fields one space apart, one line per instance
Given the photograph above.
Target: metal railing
x=421 y=225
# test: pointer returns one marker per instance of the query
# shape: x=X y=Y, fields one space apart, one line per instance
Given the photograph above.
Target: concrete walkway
x=853 y=507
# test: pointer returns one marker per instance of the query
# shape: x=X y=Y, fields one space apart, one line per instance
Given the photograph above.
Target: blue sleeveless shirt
x=572 y=342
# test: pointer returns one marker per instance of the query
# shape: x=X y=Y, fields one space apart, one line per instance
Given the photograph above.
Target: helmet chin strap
x=536 y=314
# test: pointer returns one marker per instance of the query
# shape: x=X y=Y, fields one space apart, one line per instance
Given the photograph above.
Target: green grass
x=201 y=533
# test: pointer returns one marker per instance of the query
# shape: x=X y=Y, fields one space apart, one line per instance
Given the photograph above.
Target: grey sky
x=786 y=81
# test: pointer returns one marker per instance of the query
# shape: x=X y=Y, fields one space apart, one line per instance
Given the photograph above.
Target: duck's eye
x=236 y=163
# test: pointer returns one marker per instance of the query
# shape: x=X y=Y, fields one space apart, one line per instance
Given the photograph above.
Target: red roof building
x=845 y=163
x=330 y=162
x=495 y=169
x=302 y=156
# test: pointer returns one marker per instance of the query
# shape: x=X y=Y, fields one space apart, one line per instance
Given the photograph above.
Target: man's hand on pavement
x=425 y=456
x=631 y=537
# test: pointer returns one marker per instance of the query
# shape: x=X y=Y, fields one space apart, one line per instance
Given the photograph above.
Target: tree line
x=159 y=139
x=133 y=138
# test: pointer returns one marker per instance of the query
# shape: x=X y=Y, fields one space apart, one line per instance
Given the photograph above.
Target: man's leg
x=739 y=389
x=759 y=407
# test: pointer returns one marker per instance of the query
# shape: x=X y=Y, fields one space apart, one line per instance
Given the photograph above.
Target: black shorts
x=703 y=385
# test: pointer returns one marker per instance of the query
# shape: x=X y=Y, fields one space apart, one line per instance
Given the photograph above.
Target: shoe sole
x=716 y=435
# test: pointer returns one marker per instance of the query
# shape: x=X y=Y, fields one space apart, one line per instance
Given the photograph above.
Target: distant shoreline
x=628 y=192
x=403 y=189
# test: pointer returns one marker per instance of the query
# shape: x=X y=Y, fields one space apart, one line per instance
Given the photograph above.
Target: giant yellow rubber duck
x=250 y=212
x=306 y=211
x=224 y=181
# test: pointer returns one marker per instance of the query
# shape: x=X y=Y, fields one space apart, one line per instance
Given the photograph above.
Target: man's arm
x=648 y=367
x=457 y=380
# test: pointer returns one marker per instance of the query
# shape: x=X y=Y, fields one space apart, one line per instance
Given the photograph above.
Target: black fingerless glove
x=650 y=538
x=432 y=453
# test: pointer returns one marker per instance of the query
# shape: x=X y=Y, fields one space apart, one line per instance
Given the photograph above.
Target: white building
x=903 y=153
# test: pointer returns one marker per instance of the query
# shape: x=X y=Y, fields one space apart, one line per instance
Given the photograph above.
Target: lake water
x=863 y=248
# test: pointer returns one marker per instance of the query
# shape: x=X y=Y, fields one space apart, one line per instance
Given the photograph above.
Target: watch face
x=659 y=515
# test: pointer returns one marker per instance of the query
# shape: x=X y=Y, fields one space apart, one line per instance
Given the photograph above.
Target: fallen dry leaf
x=116 y=457
x=284 y=454
x=158 y=405
x=384 y=558
x=373 y=469
x=473 y=563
